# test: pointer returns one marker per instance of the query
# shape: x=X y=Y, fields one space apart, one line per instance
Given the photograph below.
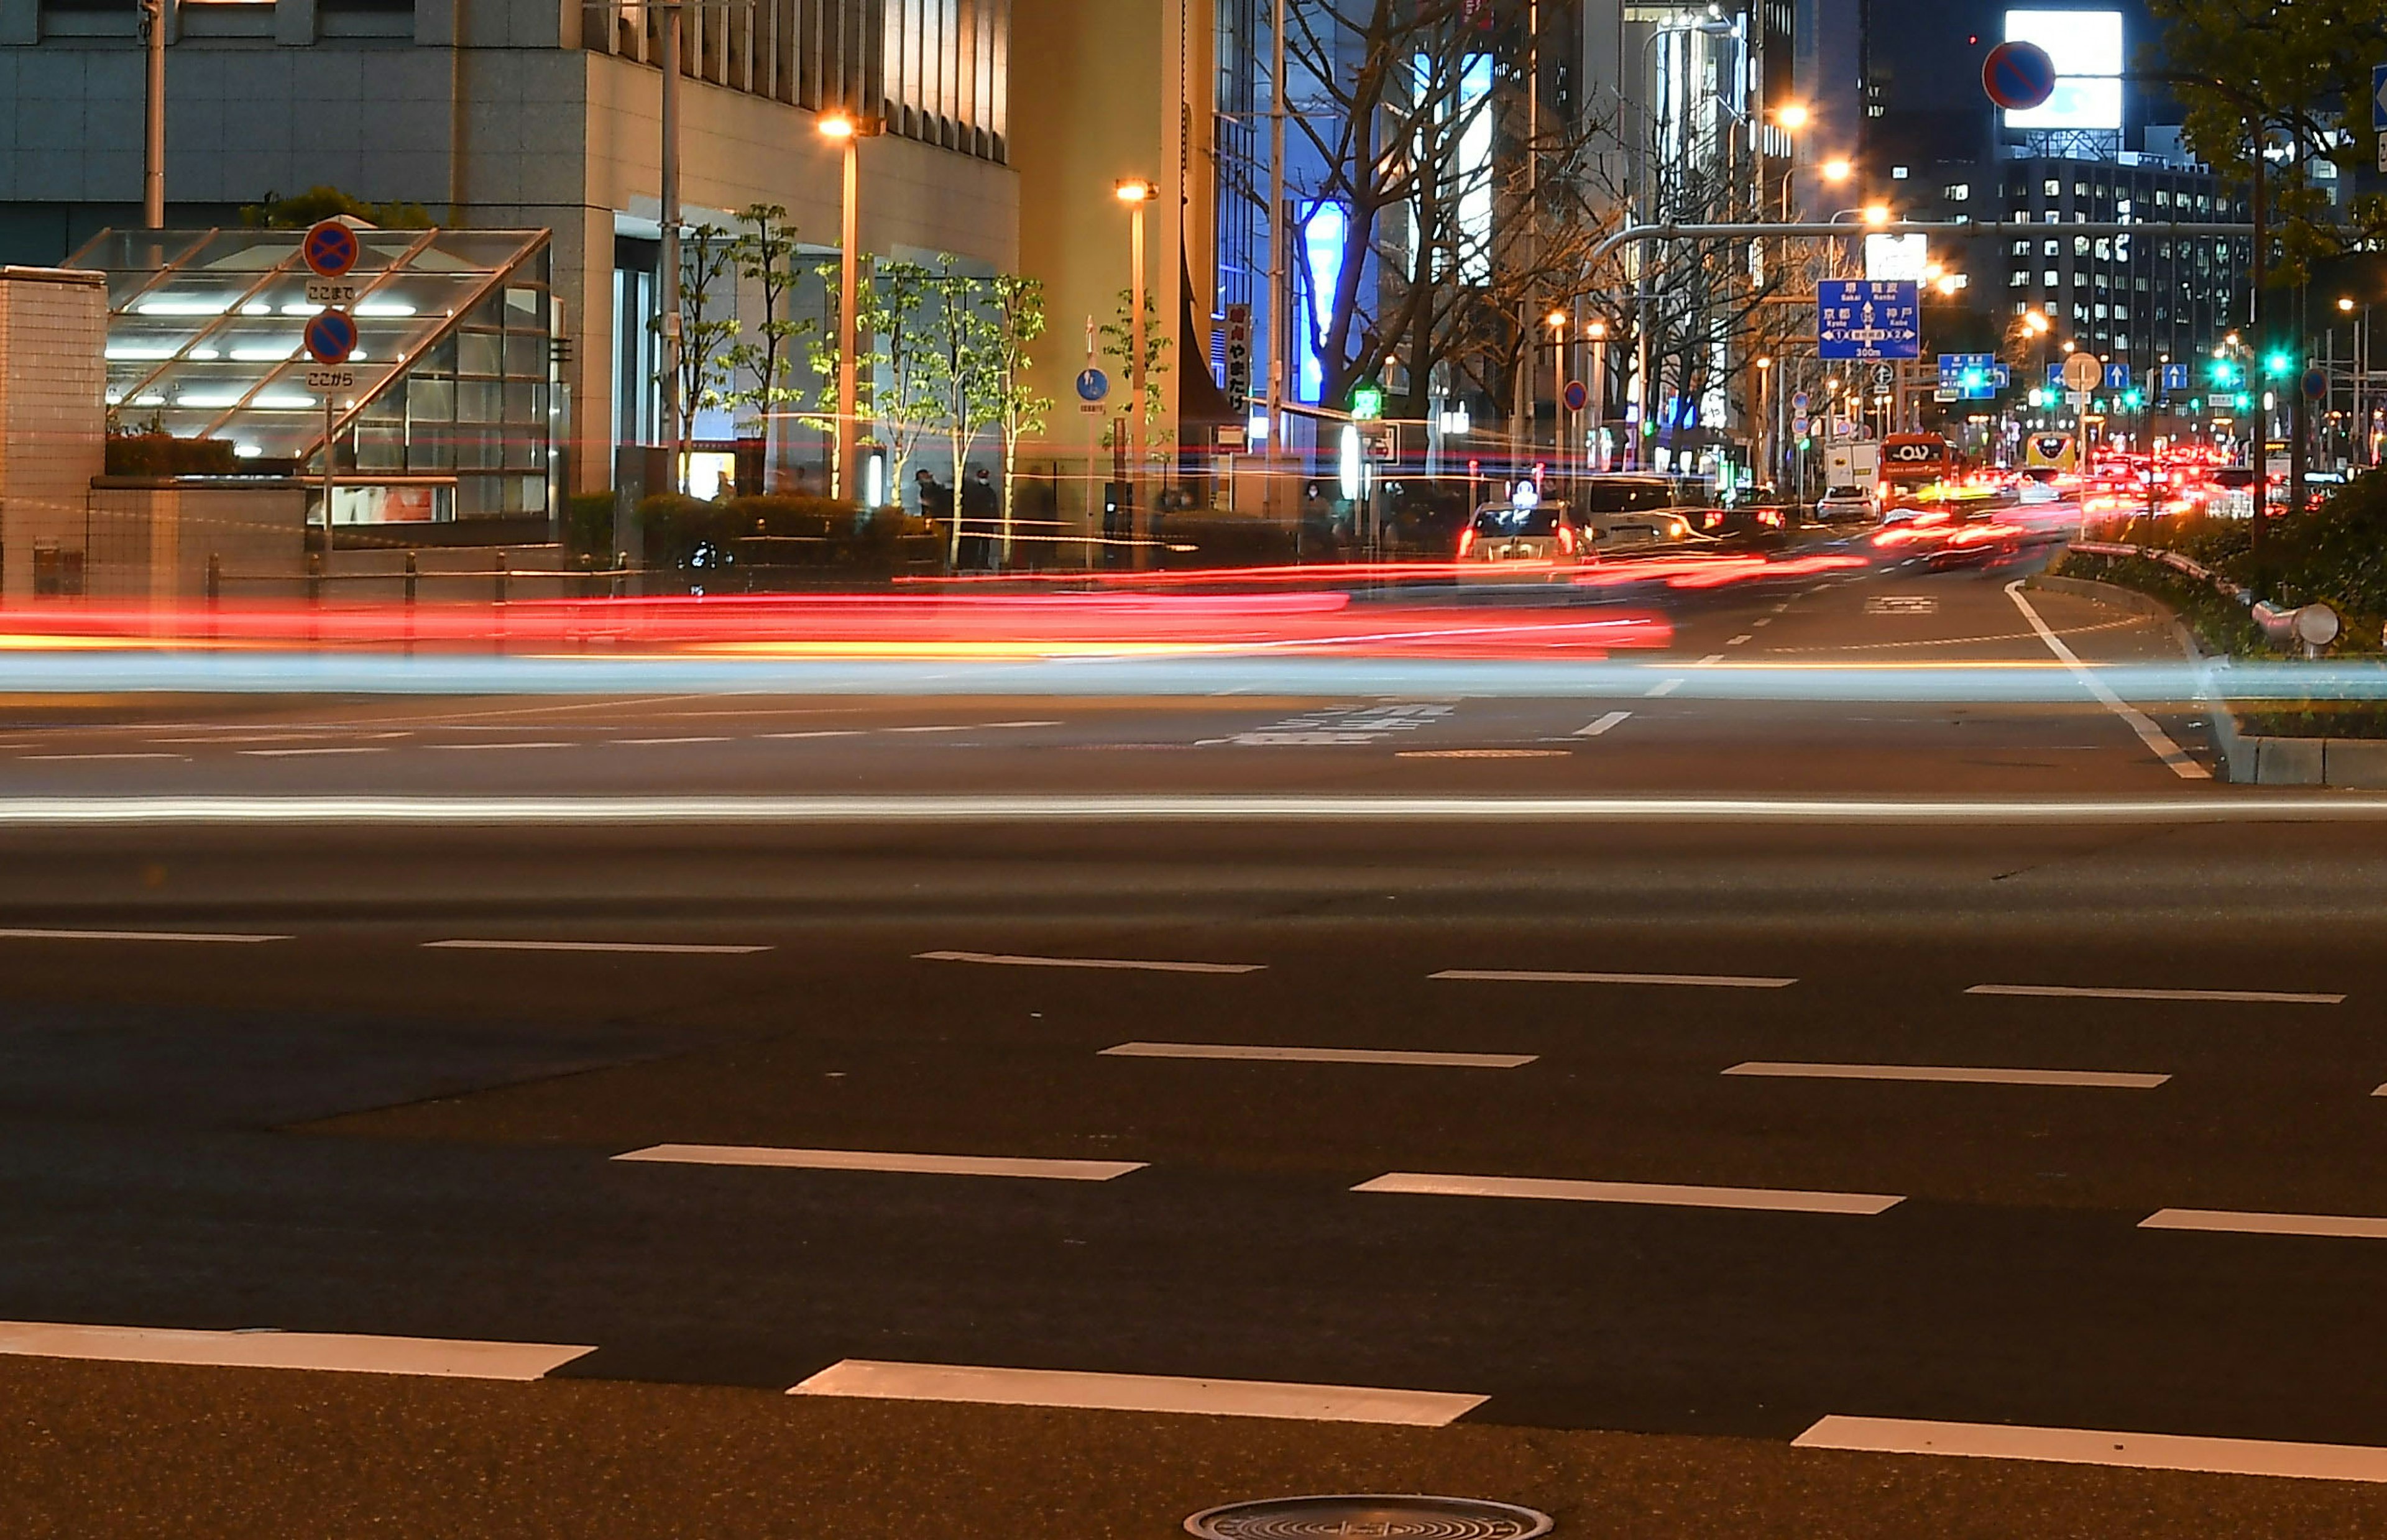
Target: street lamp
x=1595 y=333
x=153 y=138
x=1136 y=193
x=846 y=129
x=1836 y=168
x=1876 y=213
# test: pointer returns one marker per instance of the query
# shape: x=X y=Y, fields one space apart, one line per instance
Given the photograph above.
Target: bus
x=1917 y=466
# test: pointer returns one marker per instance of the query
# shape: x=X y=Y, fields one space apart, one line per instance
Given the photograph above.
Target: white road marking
x=2154 y=737
x=1712 y=658
x=1535 y=976
x=1317 y=1056
x=1010 y=960
x=1736 y=641
x=439 y=1357
x=1605 y=723
x=1008 y=724
x=2347 y=1226
x=21 y=934
x=1761 y=619
x=1663 y=686
x=2094 y=1078
x=878 y=1160
x=2234 y=1457
x=1143 y=1393
x=594 y=946
x=1661 y=1194
x=297 y=753
x=951 y=727
x=1042 y=808
x=484 y=747
x=61 y=757
x=2249 y=997
x=819 y=732
x=2381 y=1091
x=644 y=741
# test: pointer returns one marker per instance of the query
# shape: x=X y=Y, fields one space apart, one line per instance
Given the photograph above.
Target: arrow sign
x=1859 y=317
x=2378 y=98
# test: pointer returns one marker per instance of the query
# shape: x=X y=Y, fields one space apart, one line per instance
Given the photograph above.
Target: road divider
x=439 y=1358
x=884 y=1161
x=2091 y=1078
x=1685 y=981
x=667 y=948
x=2226 y=997
x=2230 y=1222
x=1317 y=1056
x=1002 y=959
x=2234 y=1457
x=1656 y=1194
x=1141 y=1393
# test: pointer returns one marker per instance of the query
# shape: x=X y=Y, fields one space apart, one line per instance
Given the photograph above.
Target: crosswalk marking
x=1143 y=1393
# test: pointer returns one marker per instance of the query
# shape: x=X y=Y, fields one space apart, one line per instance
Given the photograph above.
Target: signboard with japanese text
x=1857 y=318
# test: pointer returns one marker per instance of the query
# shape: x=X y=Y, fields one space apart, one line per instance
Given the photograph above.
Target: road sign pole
x=327 y=477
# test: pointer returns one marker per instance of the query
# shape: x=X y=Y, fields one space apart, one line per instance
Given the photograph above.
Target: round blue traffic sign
x=2018 y=76
x=331 y=337
x=1578 y=396
x=1093 y=386
x=331 y=249
x=2316 y=383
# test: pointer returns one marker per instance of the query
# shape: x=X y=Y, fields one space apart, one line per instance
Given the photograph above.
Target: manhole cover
x=1390 y=1518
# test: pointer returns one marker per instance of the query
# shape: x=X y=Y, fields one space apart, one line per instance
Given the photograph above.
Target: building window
x=2017 y=278
x=1961 y=191
x=2053 y=188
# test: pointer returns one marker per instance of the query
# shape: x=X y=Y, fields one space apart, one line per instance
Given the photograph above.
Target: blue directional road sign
x=2055 y=377
x=331 y=337
x=2177 y=377
x=1092 y=385
x=1861 y=317
x=2378 y=98
x=1971 y=375
x=2117 y=377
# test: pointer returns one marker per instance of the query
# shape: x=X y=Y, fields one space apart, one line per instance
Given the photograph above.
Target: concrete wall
x=53 y=416
x=150 y=540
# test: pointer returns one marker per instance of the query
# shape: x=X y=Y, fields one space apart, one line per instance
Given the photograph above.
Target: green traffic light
x=2131 y=400
x=2276 y=364
x=1366 y=401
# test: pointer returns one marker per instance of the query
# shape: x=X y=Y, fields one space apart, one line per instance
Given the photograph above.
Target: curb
x=2246 y=760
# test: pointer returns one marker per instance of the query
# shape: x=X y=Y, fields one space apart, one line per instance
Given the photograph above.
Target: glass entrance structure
x=449 y=408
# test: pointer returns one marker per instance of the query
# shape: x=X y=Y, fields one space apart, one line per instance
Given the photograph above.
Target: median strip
x=1658 y=1194
x=883 y=1161
x=1141 y=1393
x=2234 y=1457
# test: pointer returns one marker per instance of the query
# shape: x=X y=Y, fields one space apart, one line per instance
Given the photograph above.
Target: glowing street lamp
x=846 y=129
x=1836 y=168
x=1137 y=193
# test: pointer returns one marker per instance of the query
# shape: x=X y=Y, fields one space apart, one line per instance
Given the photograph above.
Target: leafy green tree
x=707 y=258
x=764 y=252
x=958 y=366
x=318 y=203
x=903 y=402
x=1119 y=347
x=1016 y=311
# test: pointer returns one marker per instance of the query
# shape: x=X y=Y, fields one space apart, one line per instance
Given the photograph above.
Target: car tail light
x=1466 y=539
x=1566 y=539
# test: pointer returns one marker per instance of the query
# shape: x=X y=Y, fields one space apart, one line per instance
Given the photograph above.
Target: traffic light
x=2222 y=372
x=1366 y=401
x=2131 y=399
x=2245 y=399
x=1974 y=380
x=2275 y=363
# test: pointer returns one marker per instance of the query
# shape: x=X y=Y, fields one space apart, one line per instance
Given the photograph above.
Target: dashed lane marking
x=302 y=753
x=2236 y=1456
x=2093 y=1079
x=664 y=947
x=1736 y=641
x=60 y=758
x=2226 y=1221
x=1663 y=688
x=2242 y=997
x=440 y=1358
x=1317 y=1056
x=196 y=937
x=1537 y=975
x=1602 y=725
x=1143 y=1393
x=1659 y=1194
x=490 y=747
x=1132 y=965
x=884 y=1161
x=646 y=742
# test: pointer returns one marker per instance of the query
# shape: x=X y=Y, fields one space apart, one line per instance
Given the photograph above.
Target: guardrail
x=2312 y=627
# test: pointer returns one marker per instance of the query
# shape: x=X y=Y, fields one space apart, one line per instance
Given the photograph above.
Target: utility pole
x=1280 y=325
x=153 y=143
x=675 y=429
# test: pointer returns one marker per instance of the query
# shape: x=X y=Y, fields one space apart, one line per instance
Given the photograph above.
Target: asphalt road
x=1622 y=1152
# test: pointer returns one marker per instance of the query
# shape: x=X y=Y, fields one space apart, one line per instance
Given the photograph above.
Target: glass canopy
x=453 y=374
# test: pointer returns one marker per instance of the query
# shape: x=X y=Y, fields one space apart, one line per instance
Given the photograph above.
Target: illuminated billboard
x=1896 y=258
x=2087 y=49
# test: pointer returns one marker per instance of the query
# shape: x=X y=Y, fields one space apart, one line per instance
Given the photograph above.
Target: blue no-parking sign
x=331 y=337
x=331 y=249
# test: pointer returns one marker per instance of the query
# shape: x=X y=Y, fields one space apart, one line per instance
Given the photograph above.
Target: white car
x=1507 y=540
x=1844 y=505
